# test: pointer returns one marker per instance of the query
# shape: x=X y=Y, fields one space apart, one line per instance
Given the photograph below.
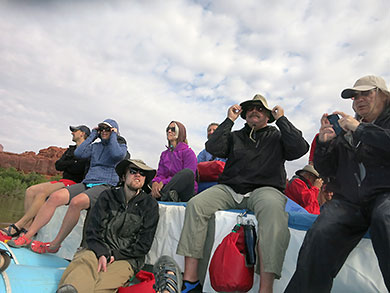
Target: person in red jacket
x=304 y=187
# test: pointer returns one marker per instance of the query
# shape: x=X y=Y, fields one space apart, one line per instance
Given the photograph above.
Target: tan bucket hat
x=257 y=100
x=139 y=164
x=365 y=83
x=310 y=169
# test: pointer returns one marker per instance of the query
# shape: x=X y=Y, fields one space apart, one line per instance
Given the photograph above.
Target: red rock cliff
x=42 y=163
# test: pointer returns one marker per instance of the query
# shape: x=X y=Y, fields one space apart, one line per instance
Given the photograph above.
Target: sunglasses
x=134 y=171
x=255 y=107
x=107 y=129
x=173 y=129
x=358 y=94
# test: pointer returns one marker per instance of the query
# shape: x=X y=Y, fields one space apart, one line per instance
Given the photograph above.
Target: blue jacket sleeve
x=84 y=150
x=117 y=150
x=202 y=156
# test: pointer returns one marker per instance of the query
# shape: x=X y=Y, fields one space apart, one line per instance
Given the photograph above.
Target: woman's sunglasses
x=173 y=129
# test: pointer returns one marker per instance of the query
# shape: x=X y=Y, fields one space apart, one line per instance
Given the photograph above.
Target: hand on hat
x=347 y=122
x=277 y=112
x=234 y=112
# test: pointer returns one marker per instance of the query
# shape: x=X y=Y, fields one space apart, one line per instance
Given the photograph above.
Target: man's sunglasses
x=255 y=107
x=358 y=94
x=173 y=129
x=134 y=171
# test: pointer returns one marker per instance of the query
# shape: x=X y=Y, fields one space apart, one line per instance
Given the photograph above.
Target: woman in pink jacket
x=175 y=179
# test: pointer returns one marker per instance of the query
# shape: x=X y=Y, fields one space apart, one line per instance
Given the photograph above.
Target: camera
x=334 y=120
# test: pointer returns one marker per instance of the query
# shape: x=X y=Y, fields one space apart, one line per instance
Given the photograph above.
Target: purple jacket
x=172 y=162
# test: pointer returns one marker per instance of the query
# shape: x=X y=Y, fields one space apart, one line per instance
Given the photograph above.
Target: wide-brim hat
x=310 y=169
x=365 y=83
x=257 y=100
x=122 y=167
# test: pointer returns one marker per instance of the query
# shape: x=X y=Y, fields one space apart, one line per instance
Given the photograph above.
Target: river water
x=11 y=210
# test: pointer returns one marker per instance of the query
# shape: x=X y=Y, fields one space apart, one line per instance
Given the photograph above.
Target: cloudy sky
x=145 y=63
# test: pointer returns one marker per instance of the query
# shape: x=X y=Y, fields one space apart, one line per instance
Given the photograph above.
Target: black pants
x=337 y=230
x=183 y=183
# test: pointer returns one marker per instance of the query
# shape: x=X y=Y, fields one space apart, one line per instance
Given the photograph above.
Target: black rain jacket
x=73 y=168
x=359 y=170
x=253 y=164
x=123 y=230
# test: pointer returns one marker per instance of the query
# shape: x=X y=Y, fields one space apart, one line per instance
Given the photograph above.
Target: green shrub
x=14 y=183
x=33 y=178
x=12 y=187
x=11 y=172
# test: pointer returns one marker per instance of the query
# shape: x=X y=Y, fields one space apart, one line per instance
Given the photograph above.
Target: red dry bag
x=228 y=272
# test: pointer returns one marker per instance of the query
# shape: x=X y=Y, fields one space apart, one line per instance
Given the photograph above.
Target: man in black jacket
x=358 y=164
x=254 y=178
x=119 y=234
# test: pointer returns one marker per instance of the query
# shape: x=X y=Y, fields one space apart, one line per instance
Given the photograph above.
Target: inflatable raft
x=30 y=272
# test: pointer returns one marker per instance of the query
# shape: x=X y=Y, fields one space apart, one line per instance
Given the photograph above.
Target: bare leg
x=35 y=199
x=77 y=204
x=46 y=212
x=190 y=269
x=266 y=279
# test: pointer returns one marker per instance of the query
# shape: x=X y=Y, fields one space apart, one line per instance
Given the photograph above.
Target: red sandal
x=21 y=241
x=43 y=247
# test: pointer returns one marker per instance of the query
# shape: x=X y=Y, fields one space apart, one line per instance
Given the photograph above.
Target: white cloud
x=145 y=63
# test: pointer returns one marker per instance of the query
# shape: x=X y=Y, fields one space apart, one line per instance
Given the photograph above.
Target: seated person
x=304 y=188
x=73 y=172
x=357 y=161
x=103 y=156
x=205 y=156
x=119 y=234
x=175 y=179
x=254 y=178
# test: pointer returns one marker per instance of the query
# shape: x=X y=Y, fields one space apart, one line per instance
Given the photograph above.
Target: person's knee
x=380 y=218
x=188 y=174
x=57 y=198
x=32 y=191
x=80 y=202
x=194 y=205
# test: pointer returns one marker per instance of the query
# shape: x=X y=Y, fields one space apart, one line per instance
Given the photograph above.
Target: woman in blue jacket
x=104 y=156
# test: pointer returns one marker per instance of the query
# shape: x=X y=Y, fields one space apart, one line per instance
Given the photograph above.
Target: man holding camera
x=358 y=163
x=103 y=156
x=254 y=178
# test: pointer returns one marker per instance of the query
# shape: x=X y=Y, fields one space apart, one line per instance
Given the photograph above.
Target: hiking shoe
x=43 y=247
x=194 y=287
x=5 y=260
x=67 y=288
x=21 y=241
x=167 y=275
